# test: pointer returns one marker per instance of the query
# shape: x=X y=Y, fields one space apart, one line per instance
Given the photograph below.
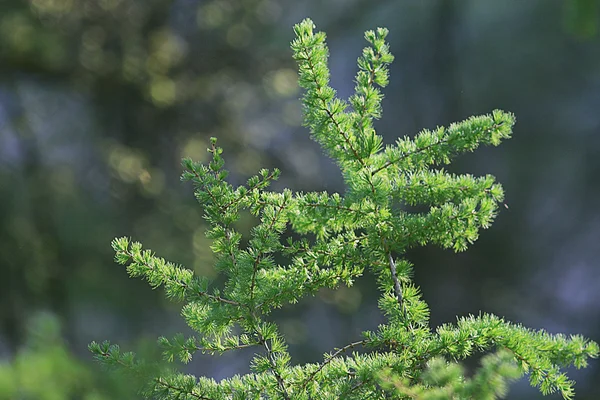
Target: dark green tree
x=328 y=240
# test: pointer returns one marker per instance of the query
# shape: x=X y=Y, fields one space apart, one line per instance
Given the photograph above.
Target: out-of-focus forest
x=100 y=99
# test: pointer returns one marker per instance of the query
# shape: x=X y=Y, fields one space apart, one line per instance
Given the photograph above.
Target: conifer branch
x=361 y=229
x=408 y=154
x=324 y=107
x=439 y=142
x=148 y=268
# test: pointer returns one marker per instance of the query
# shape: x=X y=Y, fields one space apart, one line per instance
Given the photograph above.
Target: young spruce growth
x=404 y=358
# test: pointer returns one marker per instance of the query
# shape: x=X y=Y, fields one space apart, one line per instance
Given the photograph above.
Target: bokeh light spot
x=110 y=5
x=187 y=217
x=93 y=37
x=210 y=16
x=292 y=113
x=268 y=11
x=347 y=299
x=247 y=162
x=52 y=6
x=194 y=148
x=282 y=82
x=153 y=181
x=127 y=164
x=19 y=32
x=163 y=91
x=168 y=49
x=204 y=260
x=62 y=180
x=294 y=331
x=239 y=35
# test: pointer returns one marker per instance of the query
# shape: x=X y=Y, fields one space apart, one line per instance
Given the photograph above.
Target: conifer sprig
x=340 y=236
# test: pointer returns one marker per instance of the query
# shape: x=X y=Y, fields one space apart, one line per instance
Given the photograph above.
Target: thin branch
x=223 y=350
x=316 y=205
x=160 y=380
x=237 y=200
x=271 y=359
x=257 y=259
x=357 y=386
x=397 y=287
x=205 y=187
x=218 y=298
x=180 y=390
x=344 y=135
x=328 y=360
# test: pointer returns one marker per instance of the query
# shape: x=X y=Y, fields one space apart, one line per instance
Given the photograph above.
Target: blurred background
x=100 y=99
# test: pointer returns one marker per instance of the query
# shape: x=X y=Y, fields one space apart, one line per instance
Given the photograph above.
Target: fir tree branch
x=307 y=57
x=439 y=142
x=439 y=187
x=366 y=100
x=191 y=291
x=408 y=154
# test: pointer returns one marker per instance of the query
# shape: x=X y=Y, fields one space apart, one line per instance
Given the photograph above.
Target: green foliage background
x=100 y=100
